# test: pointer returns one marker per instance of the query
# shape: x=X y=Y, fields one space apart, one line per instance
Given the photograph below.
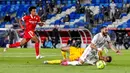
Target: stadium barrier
x=65 y=34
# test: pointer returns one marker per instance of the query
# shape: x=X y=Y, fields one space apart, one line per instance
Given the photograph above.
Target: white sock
x=74 y=63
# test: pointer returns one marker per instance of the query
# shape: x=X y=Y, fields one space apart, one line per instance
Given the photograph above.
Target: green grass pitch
x=23 y=61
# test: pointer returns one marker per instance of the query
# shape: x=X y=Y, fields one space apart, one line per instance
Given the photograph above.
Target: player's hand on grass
x=118 y=52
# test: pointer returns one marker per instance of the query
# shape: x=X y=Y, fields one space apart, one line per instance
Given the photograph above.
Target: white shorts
x=89 y=54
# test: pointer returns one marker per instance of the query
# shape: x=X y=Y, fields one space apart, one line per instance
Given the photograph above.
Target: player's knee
x=22 y=43
x=64 y=49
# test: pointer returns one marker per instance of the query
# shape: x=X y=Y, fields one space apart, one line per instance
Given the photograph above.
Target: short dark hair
x=110 y=59
x=103 y=27
x=31 y=8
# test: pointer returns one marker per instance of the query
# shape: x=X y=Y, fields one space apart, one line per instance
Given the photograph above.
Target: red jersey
x=31 y=22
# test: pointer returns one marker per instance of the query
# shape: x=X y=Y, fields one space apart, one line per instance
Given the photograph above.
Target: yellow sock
x=63 y=54
x=54 y=62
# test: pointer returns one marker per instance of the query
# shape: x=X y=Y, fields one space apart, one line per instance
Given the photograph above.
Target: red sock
x=17 y=44
x=37 y=48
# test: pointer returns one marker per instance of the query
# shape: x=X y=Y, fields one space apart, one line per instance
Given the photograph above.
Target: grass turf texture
x=23 y=61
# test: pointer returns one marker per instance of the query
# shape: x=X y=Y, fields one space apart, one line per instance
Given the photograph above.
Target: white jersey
x=99 y=40
x=90 y=55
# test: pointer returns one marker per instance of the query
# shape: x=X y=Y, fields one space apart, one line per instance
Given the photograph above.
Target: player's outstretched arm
x=113 y=48
x=20 y=23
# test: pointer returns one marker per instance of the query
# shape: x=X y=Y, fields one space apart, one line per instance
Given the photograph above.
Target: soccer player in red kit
x=29 y=32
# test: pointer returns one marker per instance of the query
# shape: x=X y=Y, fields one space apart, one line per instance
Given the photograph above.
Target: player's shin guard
x=17 y=44
x=37 y=48
x=63 y=54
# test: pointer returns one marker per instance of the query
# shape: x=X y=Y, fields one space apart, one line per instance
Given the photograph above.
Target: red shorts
x=28 y=34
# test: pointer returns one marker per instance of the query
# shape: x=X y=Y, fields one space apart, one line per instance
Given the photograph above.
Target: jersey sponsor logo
x=32 y=22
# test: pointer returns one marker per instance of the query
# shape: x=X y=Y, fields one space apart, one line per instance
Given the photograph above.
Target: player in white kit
x=90 y=55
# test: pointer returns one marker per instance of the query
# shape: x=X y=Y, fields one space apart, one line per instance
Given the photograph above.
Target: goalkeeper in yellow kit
x=74 y=51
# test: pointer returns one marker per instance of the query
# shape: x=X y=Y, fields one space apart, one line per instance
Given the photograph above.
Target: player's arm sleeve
x=20 y=21
x=24 y=18
x=108 y=39
x=94 y=40
x=38 y=19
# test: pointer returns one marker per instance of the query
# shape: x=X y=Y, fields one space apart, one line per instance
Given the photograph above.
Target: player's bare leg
x=36 y=40
x=17 y=44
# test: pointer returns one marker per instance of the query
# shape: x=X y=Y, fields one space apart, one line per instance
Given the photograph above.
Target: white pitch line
x=30 y=56
x=45 y=55
x=27 y=53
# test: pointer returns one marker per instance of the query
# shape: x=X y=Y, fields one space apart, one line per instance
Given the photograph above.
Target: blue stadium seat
x=74 y=1
x=124 y=25
x=48 y=16
x=8 y=2
x=79 y=24
x=64 y=8
x=106 y=5
x=76 y=16
x=94 y=1
x=107 y=1
x=66 y=26
x=96 y=17
x=33 y=2
x=2 y=25
x=58 y=2
x=123 y=14
x=82 y=15
x=119 y=5
x=98 y=1
x=128 y=21
x=115 y=1
x=94 y=30
x=18 y=2
x=102 y=1
x=120 y=1
x=125 y=1
x=71 y=20
x=81 y=21
x=101 y=16
x=52 y=23
x=61 y=23
x=128 y=25
x=71 y=26
x=57 y=22
x=0 y=7
x=69 y=2
x=3 y=2
x=72 y=16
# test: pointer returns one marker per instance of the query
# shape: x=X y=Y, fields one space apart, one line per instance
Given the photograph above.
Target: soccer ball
x=100 y=64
